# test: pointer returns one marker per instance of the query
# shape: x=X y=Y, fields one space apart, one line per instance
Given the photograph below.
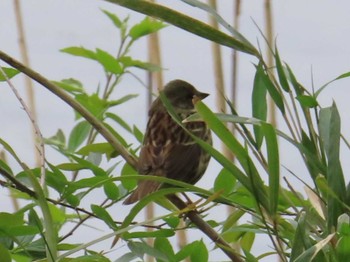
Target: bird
x=167 y=149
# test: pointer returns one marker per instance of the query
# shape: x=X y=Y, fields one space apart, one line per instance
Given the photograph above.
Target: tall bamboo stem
x=28 y=82
x=155 y=82
x=269 y=55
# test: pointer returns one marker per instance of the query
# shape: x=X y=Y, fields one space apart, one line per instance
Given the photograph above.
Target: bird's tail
x=144 y=188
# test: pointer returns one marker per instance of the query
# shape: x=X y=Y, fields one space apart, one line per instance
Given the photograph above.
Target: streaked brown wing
x=182 y=162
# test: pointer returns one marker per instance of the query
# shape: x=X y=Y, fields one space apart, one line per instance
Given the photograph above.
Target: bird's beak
x=201 y=96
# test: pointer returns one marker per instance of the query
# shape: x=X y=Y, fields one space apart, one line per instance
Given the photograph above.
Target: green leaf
x=102 y=148
x=93 y=103
x=9 y=73
x=17 y=231
x=115 y=19
x=141 y=248
x=224 y=182
x=344 y=225
x=126 y=257
x=34 y=220
x=66 y=246
x=273 y=165
x=4 y=254
x=145 y=234
x=271 y=88
x=298 y=88
x=163 y=245
x=127 y=61
x=342 y=248
x=345 y=75
x=210 y=10
x=58 y=215
x=307 y=101
x=310 y=253
x=201 y=253
x=127 y=170
x=300 y=241
x=121 y=100
x=281 y=73
x=73 y=200
x=232 y=219
x=196 y=250
x=10 y=220
x=91 y=182
x=78 y=135
x=254 y=184
x=58 y=139
x=111 y=190
x=259 y=104
x=145 y=27
x=102 y=214
x=329 y=126
x=71 y=166
x=187 y=23
x=90 y=258
x=138 y=134
x=247 y=241
x=172 y=221
x=71 y=85
x=109 y=63
x=79 y=51
x=119 y=120
x=5 y=167
x=120 y=138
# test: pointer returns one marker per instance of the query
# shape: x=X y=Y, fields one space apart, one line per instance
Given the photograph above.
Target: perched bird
x=168 y=150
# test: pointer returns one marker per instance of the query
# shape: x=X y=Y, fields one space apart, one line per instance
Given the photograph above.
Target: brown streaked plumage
x=167 y=149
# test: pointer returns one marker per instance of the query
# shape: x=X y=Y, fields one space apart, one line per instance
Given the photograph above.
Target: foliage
x=311 y=228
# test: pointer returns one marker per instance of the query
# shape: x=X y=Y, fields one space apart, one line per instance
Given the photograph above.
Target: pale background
x=312 y=37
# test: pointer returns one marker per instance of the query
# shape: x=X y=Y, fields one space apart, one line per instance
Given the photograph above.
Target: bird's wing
x=182 y=162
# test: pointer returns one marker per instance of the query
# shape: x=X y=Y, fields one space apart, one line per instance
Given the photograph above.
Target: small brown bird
x=167 y=149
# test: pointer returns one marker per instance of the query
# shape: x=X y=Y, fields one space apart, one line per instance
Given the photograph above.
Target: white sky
x=312 y=37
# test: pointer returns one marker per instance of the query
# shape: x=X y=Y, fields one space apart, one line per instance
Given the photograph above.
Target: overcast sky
x=312 y=37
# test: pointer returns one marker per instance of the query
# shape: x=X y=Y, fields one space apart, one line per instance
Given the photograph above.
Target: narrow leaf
x=259 y=104
x=273 y=166
x=145 y=234
x=103 y=215
x=280 y=71
x=145 y=27
x=329 y=125
x=307 y=101
x=271 y=88
x=187 y=23
x=79 y=51
x=115 y=19
x=9 y=73
x=109 y=63
x=4 y=254
x=78 y=135
x=310 y=253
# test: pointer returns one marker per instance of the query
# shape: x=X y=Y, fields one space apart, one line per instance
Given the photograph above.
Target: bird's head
x=181 y=94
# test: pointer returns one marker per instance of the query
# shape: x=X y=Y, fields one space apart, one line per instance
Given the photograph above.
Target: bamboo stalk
x=155 y=81
x=28 y=82
x=234 y=89
x=269 y=55
x=218 y=73
x=272 y=108
x=217 y=62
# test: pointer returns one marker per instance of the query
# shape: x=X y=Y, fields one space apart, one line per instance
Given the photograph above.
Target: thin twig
x=38 y=134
